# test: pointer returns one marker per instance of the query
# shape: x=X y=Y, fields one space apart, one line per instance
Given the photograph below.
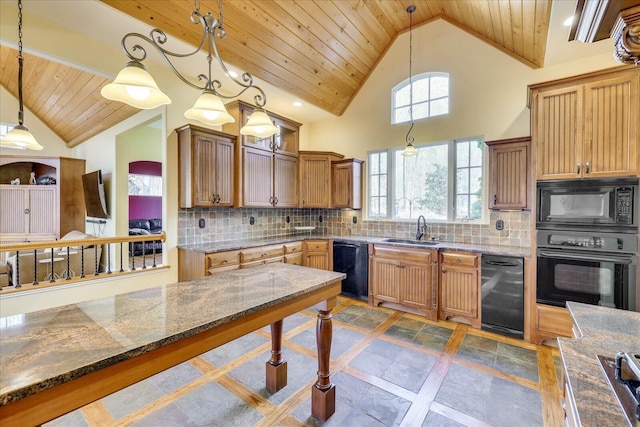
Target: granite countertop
x=230 y=245
x=45 y=348
x=603 y=331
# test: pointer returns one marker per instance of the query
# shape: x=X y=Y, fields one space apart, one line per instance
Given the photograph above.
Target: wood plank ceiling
x=320 y=50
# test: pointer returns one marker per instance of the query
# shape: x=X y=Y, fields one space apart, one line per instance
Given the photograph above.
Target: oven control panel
x=624 y=206
x=601 y=242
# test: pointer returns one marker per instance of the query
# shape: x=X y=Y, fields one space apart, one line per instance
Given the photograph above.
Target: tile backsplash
x=235 y=223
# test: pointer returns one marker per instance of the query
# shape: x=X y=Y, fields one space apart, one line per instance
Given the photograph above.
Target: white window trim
x=451 y=183
x=414 y=79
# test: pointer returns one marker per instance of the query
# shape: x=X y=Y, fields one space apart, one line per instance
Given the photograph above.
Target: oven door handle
x=589 y=257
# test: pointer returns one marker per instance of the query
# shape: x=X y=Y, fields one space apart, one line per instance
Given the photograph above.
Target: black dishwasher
x=352 y=258
x=503 y=295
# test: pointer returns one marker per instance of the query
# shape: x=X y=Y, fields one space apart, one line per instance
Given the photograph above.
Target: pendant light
x=410 y=150
x=135 y=86
x=19 y=137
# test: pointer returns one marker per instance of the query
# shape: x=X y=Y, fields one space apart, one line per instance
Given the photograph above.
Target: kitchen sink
x=412 y=242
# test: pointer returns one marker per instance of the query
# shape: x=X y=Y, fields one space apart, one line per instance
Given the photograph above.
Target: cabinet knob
x=444 y=271
x=303 y=201
x=495 y=199
x=458 y=260
x=587 y=168
x=264 y=254
x=578 y=166
x=27 y=211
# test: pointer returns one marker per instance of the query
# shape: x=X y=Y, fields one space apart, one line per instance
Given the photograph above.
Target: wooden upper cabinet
x=347 y=183
x=206 y=161
x=611 y=127
x=286 y=141
x=285 y=181
x=509 y=181
x=257 y=177
x=587 y=126
x=315 y=178
x=267 y=168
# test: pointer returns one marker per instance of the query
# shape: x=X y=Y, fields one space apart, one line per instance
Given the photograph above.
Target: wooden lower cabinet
x=318 y=254
x=404 y=276
x=460 y=287
x=551 y=322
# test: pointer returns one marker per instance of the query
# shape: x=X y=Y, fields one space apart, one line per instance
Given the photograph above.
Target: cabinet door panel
x=508 y=176
x=13 y=201
x=317 y=260
x=611 y=136
x=342 y=185
x=416 y=285
x=386 y=279
x=258 y=178
x=559 y=133
x=43 y=208
x=285 y=181
x=224 y=172
x=315 y=190
x=205 y=155
x=459 y=292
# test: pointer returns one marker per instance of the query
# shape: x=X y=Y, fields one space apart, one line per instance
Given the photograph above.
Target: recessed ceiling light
x=567 y=22
x=297 y=104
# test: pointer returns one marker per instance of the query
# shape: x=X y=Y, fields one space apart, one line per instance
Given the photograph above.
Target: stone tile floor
x=390 y=369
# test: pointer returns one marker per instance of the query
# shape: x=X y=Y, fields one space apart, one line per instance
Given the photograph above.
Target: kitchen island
x=599 y=331
x=56 y=360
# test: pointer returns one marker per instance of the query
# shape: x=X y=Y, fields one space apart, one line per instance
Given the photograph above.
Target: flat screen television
x=94 y=199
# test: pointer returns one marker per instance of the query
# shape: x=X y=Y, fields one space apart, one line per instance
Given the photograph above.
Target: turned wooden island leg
x=323 y=392
x=276 y=367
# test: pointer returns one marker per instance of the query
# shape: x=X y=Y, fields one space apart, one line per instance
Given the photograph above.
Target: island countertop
x=42 y=349
x=602 y=331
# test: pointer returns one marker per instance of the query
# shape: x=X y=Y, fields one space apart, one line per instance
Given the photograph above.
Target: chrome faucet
x=420 y=230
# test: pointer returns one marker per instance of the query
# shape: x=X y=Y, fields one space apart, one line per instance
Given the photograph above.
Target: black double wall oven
x=587 y=242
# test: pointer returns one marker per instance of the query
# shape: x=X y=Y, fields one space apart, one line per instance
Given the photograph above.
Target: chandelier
x=20 y=137
x=410 y=150
x=135 y=86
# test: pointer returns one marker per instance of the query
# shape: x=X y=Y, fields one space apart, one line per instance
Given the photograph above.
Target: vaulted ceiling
x=320 y=50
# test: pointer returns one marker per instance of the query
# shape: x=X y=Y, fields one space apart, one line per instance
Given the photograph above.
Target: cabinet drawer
x=554 y=321
x=317 y=245
x=293 y=248
x=262 y=261
x=221 y=259
x=222 y=269
x=404 y=253
x=460 y=258
x=260 y=253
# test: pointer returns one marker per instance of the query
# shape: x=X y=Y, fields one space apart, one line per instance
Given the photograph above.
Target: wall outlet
x=252 y=220
x=355 y=219
x=288 y=219
x=201 y=223
x=499 y=224
x=320 y=218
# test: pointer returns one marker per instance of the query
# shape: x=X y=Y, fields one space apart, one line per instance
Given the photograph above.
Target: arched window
x=430 y=97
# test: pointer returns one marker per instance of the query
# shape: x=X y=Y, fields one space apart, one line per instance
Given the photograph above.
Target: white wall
x=488 y=93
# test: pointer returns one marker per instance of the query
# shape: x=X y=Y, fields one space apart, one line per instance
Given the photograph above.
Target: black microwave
x=606 y=204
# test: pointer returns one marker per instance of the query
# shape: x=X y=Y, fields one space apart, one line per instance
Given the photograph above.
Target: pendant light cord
x=409 y=138
x=20 y=60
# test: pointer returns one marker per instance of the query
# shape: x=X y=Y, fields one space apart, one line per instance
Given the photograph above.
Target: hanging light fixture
x=135 y=86
x=410 y=150
x=20 y=137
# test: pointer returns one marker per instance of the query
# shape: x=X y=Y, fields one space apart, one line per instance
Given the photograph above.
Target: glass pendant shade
x=209 y=110
x=135 y=86
x=259 y=125
x=20 y=137
x=409 y=150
